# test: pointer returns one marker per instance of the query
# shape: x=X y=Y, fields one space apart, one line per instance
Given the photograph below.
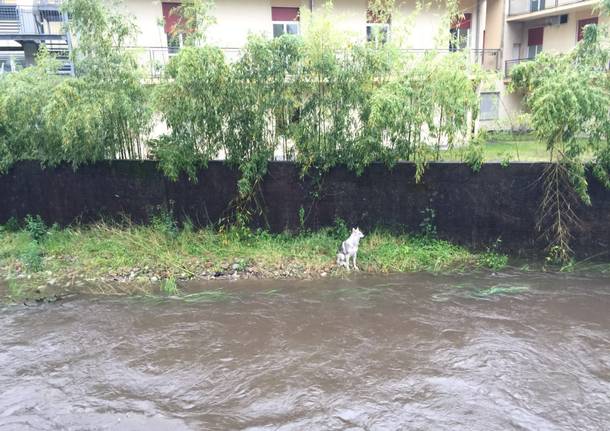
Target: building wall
x=350 y=17
x=494 y=24
x=557 y=38
x=426 y=26
x=148 y=15
x=236 y=20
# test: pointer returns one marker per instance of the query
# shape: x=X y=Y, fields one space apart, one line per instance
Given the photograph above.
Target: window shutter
x=535 y=36
x=581 y=25
x=464 y=23
x=170 y=19
x=284 y=14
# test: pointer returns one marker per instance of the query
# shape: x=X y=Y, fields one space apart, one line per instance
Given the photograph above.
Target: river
x=510 y=351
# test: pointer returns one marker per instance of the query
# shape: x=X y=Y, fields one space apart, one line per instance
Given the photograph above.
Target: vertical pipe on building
x=478 y=26
x=311 y=5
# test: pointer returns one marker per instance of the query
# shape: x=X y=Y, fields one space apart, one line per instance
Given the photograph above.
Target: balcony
x=524 y=10
x=41 y=22
x=11 y=61
x=509 y=64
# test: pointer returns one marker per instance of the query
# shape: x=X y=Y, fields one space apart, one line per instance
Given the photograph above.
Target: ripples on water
x=416 y=352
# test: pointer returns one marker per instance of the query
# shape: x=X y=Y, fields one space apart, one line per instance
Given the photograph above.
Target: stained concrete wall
x=471 y=208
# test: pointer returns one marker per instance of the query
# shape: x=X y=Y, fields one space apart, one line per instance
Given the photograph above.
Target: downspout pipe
x=477 y=26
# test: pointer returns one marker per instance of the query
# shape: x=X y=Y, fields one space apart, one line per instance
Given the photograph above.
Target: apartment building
x=534 y=26
x=496 y=33
x=24 y=26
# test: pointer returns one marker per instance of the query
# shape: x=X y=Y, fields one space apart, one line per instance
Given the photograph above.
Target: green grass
x=505 y=148
x=105 y=255
x=515 y=148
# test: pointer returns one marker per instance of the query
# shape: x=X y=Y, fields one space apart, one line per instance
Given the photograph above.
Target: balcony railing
x=11 y=62
x=154 y=59
x=39 y=22
x=509 y=64
x=520 y=7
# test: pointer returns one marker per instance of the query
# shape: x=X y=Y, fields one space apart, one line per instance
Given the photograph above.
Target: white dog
x=349 y=248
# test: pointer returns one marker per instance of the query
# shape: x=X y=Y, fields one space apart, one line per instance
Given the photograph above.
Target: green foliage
x=492 y=258
x=569 y=98
x=316 y=99
x=25 y=132
x=102 y=113
x=31 y=257
x=428 y=223
x=302 y=219
x=258 y=105
x=506 y=158
x=36 y=227
x=165 y=223
x=107 y=252
x=474 y=153
x=194 y=18
x=340 y=230
x=192 y=102
x=169 y=286
x=11 y=225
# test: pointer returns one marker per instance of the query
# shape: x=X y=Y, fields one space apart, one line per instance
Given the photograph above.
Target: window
x=534 y=41
x=536 y=5
x=489 y=106
x=377 y=33
x=581 y=26
x=285 y=20
x=8 y=13
x=170 y=20
x=460 y=34
x=377 y=28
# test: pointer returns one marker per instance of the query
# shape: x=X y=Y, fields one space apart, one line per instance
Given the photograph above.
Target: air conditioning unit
x=556 y=20
x=552 y=20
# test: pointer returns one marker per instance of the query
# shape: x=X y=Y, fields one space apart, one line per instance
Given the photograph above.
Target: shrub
x=32 y=257
x=36 y=228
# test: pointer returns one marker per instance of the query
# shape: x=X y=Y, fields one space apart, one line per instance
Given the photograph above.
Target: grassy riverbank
x=112 y=258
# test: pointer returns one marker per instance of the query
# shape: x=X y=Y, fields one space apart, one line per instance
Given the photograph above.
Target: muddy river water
x=508 y=351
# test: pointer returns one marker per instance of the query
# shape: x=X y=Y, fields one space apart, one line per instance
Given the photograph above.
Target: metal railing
x=11 y=61
x=39 y=22
x=521 y=7
x=154 y=59
x=509 y=64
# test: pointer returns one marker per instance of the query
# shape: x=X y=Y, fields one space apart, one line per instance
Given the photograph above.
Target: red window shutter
x=581 y=26
x=372 y=18
x=464 y=23
x=284 y=14
x=535 y=36
x=170 y=19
